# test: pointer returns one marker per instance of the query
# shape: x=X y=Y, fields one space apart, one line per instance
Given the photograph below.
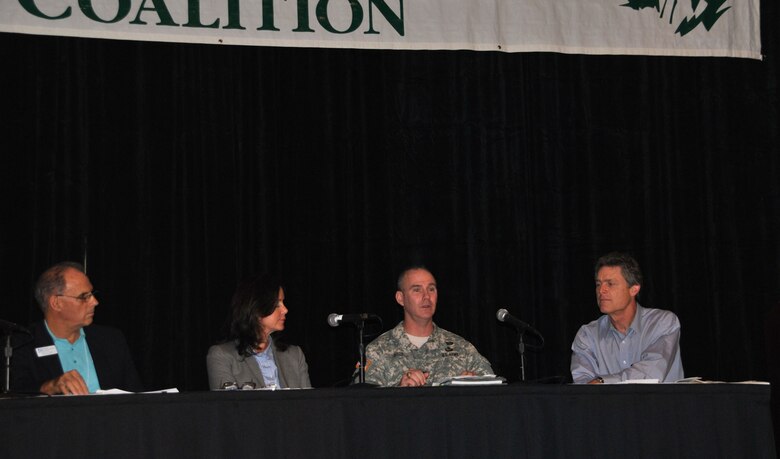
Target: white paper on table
x=639 y=381
x=172 y=390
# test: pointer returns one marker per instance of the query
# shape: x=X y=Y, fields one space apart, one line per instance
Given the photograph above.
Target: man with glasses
x=67 y=353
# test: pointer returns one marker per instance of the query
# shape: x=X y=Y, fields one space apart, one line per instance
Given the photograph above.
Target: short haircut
x=406 y=270
x=52 y=282
x=629 y=267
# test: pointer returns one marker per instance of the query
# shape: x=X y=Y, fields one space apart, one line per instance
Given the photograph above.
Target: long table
x=538 y=421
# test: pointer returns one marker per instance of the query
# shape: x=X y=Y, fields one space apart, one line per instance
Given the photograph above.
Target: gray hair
x=629 y=267
x=52 y=282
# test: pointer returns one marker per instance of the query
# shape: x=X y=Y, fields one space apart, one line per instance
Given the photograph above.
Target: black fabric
x=646 y=421
x=179 y=169
x=107 y=346
x=771 y=327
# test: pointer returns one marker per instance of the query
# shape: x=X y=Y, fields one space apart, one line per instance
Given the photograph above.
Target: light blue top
x=268 y=367
x=650 y=349
x=76 y=356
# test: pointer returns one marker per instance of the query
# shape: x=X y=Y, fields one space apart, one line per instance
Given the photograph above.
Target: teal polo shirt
x=76 y=356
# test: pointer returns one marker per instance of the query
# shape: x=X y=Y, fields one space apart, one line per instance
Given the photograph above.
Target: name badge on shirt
x=46 y=350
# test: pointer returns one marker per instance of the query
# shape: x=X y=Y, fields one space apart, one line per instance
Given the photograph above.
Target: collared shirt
x=268 y=367
x=76 y=356
x=444 y=355
x=650 y=349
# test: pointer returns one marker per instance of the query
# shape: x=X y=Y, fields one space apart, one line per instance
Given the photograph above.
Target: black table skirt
x=539 y=421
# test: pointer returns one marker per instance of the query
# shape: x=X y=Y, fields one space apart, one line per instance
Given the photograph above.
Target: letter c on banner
x=32 y=8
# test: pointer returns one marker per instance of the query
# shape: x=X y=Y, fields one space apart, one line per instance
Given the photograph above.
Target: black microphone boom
x=334 y=320
x=10 y=327
x=504 y=316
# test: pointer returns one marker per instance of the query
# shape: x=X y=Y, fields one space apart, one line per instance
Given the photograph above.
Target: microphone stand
x=7 y=329
x=360 y=324
x=8 y=353
x=362 y=351
x=521 y=350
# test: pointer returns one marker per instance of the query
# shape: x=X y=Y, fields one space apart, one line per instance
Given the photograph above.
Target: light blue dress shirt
x=650 y=349
x=268 y=367
x=76 y=356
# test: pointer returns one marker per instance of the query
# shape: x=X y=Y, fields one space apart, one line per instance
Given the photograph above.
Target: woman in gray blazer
x=252 y=355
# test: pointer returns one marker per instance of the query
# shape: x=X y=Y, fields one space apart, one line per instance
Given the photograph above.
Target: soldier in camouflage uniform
x=417 y=352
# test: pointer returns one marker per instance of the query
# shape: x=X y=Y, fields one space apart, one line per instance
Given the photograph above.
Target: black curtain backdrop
x=181 y=168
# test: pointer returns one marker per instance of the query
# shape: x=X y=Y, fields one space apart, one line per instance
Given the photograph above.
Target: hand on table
x=413 y=378
x=67 y=383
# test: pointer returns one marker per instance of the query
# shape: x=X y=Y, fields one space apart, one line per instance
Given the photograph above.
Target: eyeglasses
x=230 y=385
x=83 y=297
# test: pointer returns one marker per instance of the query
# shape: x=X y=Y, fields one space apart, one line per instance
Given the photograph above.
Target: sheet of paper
x=484 y=380
x=172 y=390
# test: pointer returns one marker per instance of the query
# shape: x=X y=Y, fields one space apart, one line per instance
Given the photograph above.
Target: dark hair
x=629 y=267
x=255 y=297
x=406 y=270
x=52 y=282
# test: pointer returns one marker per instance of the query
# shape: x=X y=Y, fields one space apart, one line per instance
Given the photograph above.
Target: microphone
x=334 y=320
x=504 y=316
x=10 y=327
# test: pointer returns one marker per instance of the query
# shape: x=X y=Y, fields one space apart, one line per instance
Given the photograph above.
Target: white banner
x=728 y=28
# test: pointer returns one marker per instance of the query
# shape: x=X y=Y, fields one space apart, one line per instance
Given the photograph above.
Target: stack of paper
x=485 y=380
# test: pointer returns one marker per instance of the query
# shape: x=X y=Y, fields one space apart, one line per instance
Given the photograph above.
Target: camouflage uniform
x=444 y=355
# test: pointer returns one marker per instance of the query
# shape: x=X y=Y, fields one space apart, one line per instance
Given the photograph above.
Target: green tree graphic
x=708 y=16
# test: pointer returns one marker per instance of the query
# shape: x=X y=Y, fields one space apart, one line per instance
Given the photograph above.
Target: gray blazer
x=224 y=364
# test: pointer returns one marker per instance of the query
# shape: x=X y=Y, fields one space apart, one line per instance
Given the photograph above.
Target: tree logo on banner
x=704 y=12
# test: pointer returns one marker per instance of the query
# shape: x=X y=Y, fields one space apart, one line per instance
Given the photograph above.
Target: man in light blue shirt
x=628 y=342
x=76 y=356
x=68 y=354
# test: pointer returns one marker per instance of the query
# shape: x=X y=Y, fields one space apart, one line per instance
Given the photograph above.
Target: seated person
x=252 y=355
x=628 y=341
x=417 y=352
x=68 y=354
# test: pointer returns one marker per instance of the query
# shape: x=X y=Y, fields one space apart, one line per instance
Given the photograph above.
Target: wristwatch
x=599 y=379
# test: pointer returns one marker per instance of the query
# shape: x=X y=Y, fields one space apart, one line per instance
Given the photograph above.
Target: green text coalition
x=232 y=17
